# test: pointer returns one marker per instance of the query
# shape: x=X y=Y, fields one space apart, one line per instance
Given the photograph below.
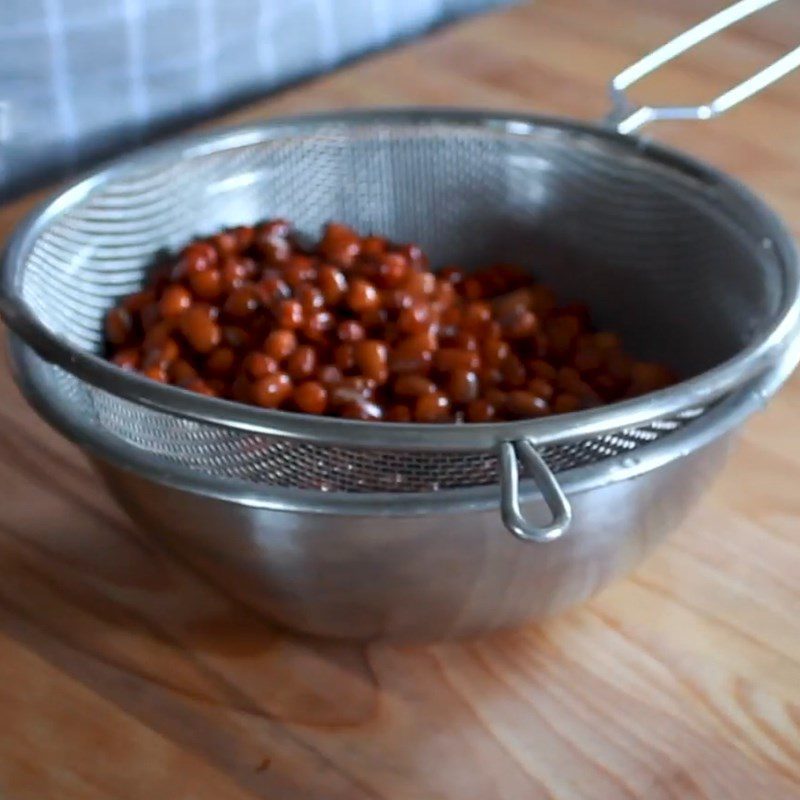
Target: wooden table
x=124 y=675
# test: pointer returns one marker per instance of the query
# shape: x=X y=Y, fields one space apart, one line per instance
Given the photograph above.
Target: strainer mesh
x=228 y=453
x=597 y=221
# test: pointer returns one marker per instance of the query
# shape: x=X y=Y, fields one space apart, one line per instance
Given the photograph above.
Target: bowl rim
x=718 y=421
x=697 y=391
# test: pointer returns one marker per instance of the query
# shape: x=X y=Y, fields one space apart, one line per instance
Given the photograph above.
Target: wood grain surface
x=124 y=675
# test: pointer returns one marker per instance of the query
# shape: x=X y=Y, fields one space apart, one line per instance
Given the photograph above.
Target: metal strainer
x=684 y=262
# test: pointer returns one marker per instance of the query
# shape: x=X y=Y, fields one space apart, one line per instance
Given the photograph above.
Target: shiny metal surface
x=546 y=483
x=450 y=574
x=627 y=118
x=424 y=566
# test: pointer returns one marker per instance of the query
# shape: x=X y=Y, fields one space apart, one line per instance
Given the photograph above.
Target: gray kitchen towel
x=81 y=79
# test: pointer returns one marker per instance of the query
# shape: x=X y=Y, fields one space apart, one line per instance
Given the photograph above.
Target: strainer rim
x=722 y=419
x=696 y=391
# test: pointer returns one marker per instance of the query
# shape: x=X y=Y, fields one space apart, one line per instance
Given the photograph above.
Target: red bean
x=566 y=403
x=119 y=325
x=620 y=366
x=353 y=389
x=236 y=337
x=415 y=318
x=345 y=356
x=413 y=386
x=361 y=328
x=272 y=288
x=472 y=289
x=280 y=344
x=289 y=314
x=541 y=388
x=129 y=358
x=318 y=325
x=235 y=271
x=311 y=397
x=542 y=369
x=272 y=391
x=481 y=410
x=514 y=373
x=568 y=378
x=310 y=297
x=206 y=285
x=463 y=386
x=161 y=354
x=490 y=376
x=563 y=332
x=225 y=243
x=476 y=314
x=434 y=407
x=374 y=319
x=449 y=358
x=199 y=328
x=299 y=270
x=413 y=254
x=398 y=413
x=362 y=296
x=340 y=244
x=302 y=363
x=411 y=355
x=257 y=365
x=497 y=397
x=362 y=411
x=421 y=284
x=150 y=316
x=271 y=241
x=329 y=374
x=174 y=301
x=495 y=352
x=372 y=358
x=221 y=361
x=646 y=377
x=200 y=386
x=373 y=246
x=542 y=299
x=199 y=256
x=242 y=301
x=245 y=236
x=520 y=325
x=156 y=373
x=451 y=274
x=135 y=303
x=588 y=356
x=241 y=389
x=464 y=341
x=332 y=283
x=181 y=371
x=526 y=404
x=350 y=331
x=391 y=271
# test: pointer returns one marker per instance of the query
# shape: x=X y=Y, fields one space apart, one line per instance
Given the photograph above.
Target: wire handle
x=546 y=483
x=626 y=117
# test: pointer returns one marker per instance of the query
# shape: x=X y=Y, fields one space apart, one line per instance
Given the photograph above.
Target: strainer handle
x=626 y=117
x=546 y=483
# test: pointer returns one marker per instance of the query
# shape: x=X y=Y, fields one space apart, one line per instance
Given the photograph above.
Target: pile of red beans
x=359 y=327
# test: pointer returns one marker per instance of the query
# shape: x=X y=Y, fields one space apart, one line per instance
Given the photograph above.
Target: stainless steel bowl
x=417 y=567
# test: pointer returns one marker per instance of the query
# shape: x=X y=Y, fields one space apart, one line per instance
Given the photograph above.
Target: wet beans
x=360 y=328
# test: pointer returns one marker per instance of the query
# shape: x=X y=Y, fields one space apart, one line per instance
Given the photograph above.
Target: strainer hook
x=546 y=483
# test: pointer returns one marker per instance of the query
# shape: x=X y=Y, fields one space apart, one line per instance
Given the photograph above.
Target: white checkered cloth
x=83 y=78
